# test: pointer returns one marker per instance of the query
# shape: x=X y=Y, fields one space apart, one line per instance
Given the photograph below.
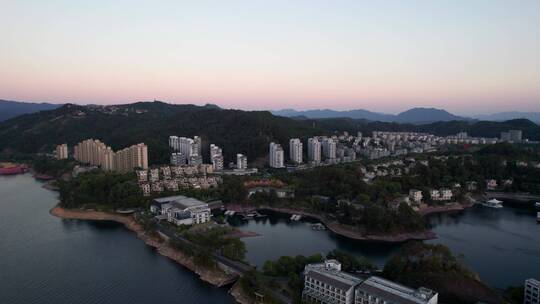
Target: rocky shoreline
x=345 y=231
x=214 y=277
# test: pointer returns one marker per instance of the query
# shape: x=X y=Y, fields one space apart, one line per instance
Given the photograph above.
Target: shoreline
x=344 y=231
x=216 y=278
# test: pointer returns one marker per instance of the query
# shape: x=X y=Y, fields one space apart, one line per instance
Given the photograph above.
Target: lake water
x=45 y=259
x=502 y=245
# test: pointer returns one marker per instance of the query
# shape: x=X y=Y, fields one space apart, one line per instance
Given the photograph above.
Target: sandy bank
x=214 y=277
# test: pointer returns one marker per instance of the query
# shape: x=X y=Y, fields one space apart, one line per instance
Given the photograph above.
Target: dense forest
x=236 y=131
x=435 y=267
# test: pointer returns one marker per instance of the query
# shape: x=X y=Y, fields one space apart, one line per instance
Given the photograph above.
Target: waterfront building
x=532 y=291
x=181 y=210
x=314 y=150
x=326 y=283
x=276 y=155
x=241 y=162
x=377 y=290
x=491 y=184
x=295 y=150
x=62 y=151
x=329 y=148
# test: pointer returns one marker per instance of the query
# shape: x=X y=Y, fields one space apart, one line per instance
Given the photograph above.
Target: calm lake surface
x=502 y=245
x=44 y=259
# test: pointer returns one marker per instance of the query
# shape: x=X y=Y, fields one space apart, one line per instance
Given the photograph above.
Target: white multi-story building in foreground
x=295 y=150
x=314 y=150
x=532 y=292
x=181 y=210
x=276 y=155
x=326 y=283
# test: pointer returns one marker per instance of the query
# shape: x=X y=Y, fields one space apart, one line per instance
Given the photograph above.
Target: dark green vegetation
x=349 y=200
x=236 y=131
x=216 y=238
x=152 y=123
x=434 y=267
x=52 y=167
x=101 y=190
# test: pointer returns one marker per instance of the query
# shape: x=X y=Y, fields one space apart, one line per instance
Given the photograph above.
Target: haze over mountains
x=414 y=115
x=10 y=109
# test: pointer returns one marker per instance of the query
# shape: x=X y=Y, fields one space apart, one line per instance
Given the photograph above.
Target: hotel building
x=295 y=150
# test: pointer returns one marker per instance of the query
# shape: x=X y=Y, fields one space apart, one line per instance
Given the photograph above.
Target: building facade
x=295 y=150
x=62 y=151
x=96 y=153
x=276 y=155
x=329 y=148
x=325 y=283
x=181 y=210
x=314 y=150
x=532 y=292
x=241 y=162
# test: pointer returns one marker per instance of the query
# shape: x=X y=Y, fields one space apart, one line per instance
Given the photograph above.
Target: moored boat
x=537 y=205
x=538 y=217
x=493 y=203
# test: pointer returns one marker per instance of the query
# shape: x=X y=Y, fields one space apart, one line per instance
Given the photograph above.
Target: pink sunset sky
x=464 y=56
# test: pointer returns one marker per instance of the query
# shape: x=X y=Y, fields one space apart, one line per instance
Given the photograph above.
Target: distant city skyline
x=465 y=57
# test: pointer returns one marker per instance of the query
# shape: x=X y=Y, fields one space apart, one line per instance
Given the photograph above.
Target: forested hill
x=441 y=128
x=235 y=131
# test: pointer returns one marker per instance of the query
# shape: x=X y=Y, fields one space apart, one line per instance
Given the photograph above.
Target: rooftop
x=394 y=292
x=180 y=201
x=332 y=277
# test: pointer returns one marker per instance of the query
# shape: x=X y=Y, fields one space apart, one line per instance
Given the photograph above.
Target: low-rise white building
x=415 y=195
x=182 y=210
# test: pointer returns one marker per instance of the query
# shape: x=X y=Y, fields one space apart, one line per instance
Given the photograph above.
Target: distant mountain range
x=415 y=115
x=533 y=116
x=10 y=109
x=236 y=131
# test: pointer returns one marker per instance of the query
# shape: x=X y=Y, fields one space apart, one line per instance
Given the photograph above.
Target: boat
x=12 y=170
x=538 y=217
x=318 y=226
x=493 y=203
x=537 y=205
x=296 y=217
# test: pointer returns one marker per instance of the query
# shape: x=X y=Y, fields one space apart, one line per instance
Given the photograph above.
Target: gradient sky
x=470 y=56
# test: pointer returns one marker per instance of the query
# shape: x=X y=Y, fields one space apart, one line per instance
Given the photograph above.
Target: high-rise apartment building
x=295 y=150
x=241 y=161
x=188 y=147
x=96 y=153
x=314 y=150
x=62 y=151
x=276 y=155
x=329 y=148
x=216 y=157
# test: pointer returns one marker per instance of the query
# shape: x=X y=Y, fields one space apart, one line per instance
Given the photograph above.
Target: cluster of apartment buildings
x=173 y=178
x=515 y=136
x=188 y=151
x=320 y=150
x=96 y=153
x=181 y=210
x=326 y=283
